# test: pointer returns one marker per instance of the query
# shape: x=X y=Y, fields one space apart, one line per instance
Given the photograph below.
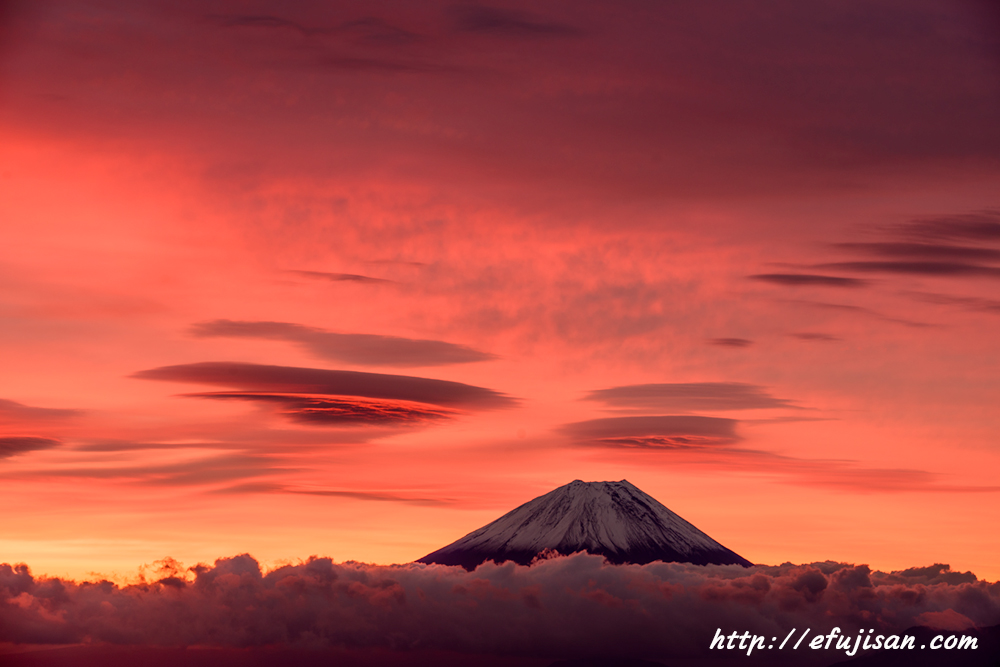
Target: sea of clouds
x=575 y=605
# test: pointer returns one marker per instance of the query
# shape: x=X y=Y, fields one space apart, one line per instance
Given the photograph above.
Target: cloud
x=12 y=410
x=196 y=471
x=478 y=18
x=264 y=21
x=578 y=309
x=565 y=607
x=708 y=443
x=976 y=226
x=948 y=619
x=14 y=445
x=929 y=575
x=915 y=92
x=690 y=396
x=919 y=268
x=345 y=45
x=339 y=412
x=352 y=348
x=917 y=248
x=924 y=250
x=340 y=277
x=860 y=310
x=368 y=28
x=808 y=280
x=240 y=434
x=293 y=380
x=814 y=336
x=968 y=302
x=654 y=431
x=730 y=342
x=268 y=487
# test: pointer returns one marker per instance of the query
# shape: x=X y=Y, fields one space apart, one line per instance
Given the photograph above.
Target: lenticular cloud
x=564 y=606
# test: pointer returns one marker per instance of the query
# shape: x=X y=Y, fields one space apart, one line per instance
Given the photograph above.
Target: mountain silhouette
x=613 y=519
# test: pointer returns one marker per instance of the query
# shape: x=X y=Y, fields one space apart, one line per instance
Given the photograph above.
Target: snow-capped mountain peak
x=613 y=519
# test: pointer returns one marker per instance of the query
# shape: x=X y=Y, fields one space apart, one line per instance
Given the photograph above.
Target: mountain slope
x=613 y=519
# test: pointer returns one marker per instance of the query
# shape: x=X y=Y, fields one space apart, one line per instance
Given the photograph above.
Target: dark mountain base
x=140 y=656
x=607 y=662
x=471 y=559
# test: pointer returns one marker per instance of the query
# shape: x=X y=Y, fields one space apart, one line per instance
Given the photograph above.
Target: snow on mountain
x=613 y=519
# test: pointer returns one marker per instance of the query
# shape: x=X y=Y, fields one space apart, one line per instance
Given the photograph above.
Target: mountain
x=613 y=519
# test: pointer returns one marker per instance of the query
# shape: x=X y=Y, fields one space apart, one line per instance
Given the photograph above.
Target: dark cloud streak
x=324 y=411
x=14 y=445
x=340 y=277
x=294 y=380
x=807 y=280
x=924 y=250
x=917 y=268
x=730 y=342
x=814 y=336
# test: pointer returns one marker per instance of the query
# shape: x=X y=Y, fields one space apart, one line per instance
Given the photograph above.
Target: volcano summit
x=613 y=519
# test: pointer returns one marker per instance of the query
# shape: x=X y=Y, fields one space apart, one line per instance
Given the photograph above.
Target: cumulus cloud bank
x=562 y=607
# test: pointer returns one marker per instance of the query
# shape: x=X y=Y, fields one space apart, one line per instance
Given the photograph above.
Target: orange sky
x=789 y=232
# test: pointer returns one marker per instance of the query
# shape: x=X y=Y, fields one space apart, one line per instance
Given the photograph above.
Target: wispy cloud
x=967 y=302
x=711 y=444
x=374 y=496
x=508 y=22
x=370 y=29
x=265 y=21
x=367 y=349
x=860 y=310
x=14 y=411
x=193 y=471
x=690 y=396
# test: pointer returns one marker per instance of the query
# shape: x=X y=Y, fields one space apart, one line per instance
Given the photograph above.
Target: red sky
x=746 y=258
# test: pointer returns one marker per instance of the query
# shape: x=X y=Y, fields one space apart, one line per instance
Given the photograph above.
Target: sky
x=350 y=280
